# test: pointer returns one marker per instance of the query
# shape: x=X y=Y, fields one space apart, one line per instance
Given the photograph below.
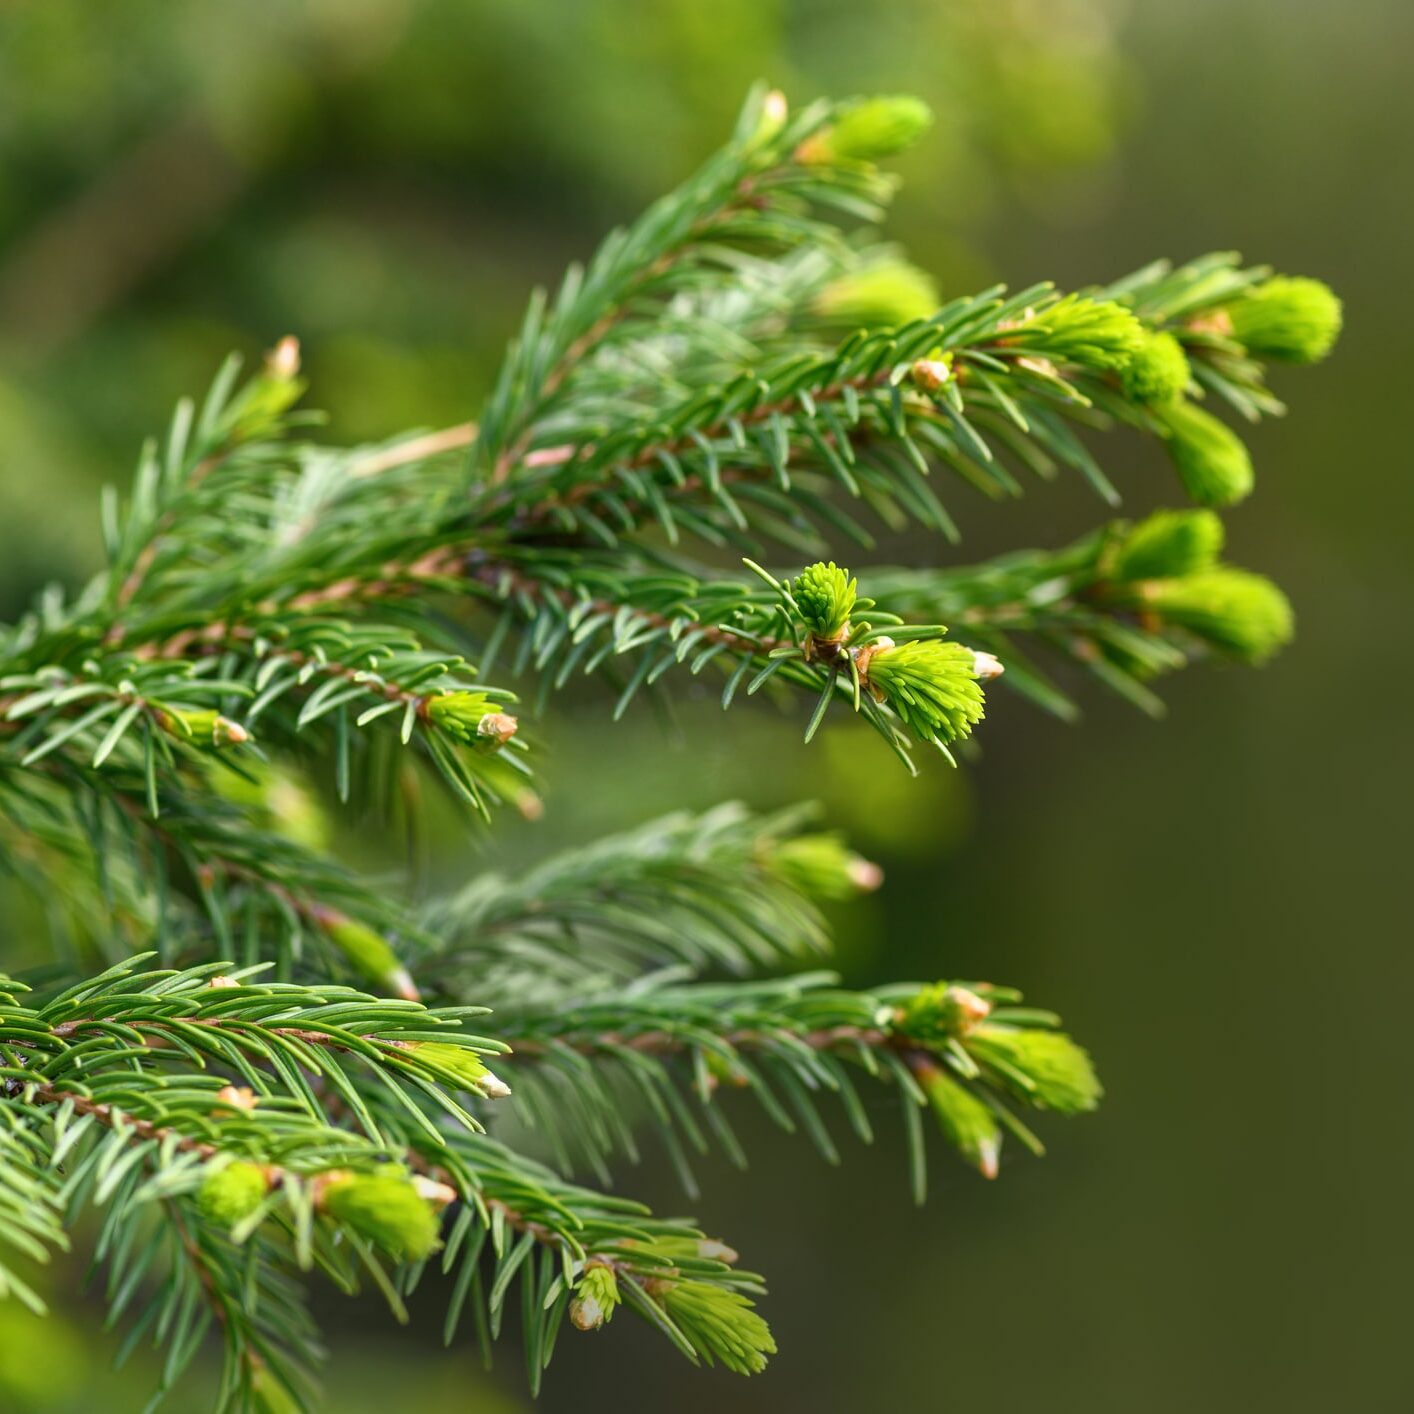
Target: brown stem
x=418 y=449
x=113 y=1118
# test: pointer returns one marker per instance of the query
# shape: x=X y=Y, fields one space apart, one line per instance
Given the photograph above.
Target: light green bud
x=1235 y=611
x=261 y=404
x=870 y=129
x=1156 y=371
x=968 y=1124
x=823 y=866
x=270 y=1394
x=881 y=295
x=369 y=954
x=1098 y=334
x=722 y=1323
x=465 y=1065
x=276 y=796
x=230 y=1194
x=1290 y=318
x=1059 y=1072
x=386 y=1208
x=774 y=112
x=472 y=718
x=1169 y=543
x=941 y=1011
x=825 y=596
x=595 y=1298
x=932 y=686
x=1209 y=456
x=203 y=727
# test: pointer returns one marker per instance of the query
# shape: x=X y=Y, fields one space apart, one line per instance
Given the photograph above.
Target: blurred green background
x=1216 y=903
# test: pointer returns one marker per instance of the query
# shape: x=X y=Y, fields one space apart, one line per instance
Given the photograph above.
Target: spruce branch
x=787 y=1043
x=1126 y=603
x=724 y=890
x=746 y=374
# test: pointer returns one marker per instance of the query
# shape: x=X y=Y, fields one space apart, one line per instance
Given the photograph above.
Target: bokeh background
x=1218 y=903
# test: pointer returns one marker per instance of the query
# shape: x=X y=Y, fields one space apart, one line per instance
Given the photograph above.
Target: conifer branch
x=786 y=1043
x=743 y=369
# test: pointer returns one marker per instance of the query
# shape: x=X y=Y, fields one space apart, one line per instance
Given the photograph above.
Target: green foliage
x=1244 y=614
x=931 y=685
x=1045 y=1067
x=1169 y=543
x=1211 y=461
x=1290 y=318
x=368 y=953
x=719 y=1325
x=1156 y=370
x=231 y=1193
x=969 y=1124
x=31 y=1211
x=824 y=594
x=596 y=1298
x=232 y=1109
x=870 y=129
x=1096 y=334
x=471 y=718
x=823 y=866
x=883 y=292
x=386 y=1209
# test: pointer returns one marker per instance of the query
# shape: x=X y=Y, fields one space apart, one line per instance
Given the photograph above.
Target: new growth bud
x=276 y=797
x=270 y=1394
x=440 y=1195
x=464 y=1065
x=825 y=596
x=1233 y=610
x=283 y=361
x=932 y=686
x=263 y=401
x=471 y=718
x=1045 y=1068
x=883 y=295
x=1289 y=318
x=493 y=1087
x=715 y=1251
x=940 y=1012
x=496 y=728
x=774 y=112
x=1169 y=543
x=1102 y=335
x=1209 y=456
x=595 y=1297
x=202 y=727
x=369 y=954
x=930 y=374
x=1157 y=369
x=238 y=1097
x=742 y=1339
x=230 y=1194
x=966 y=1122
x=384 y=1207
x=986 y=665
x=822 y=866
x=870 y=129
